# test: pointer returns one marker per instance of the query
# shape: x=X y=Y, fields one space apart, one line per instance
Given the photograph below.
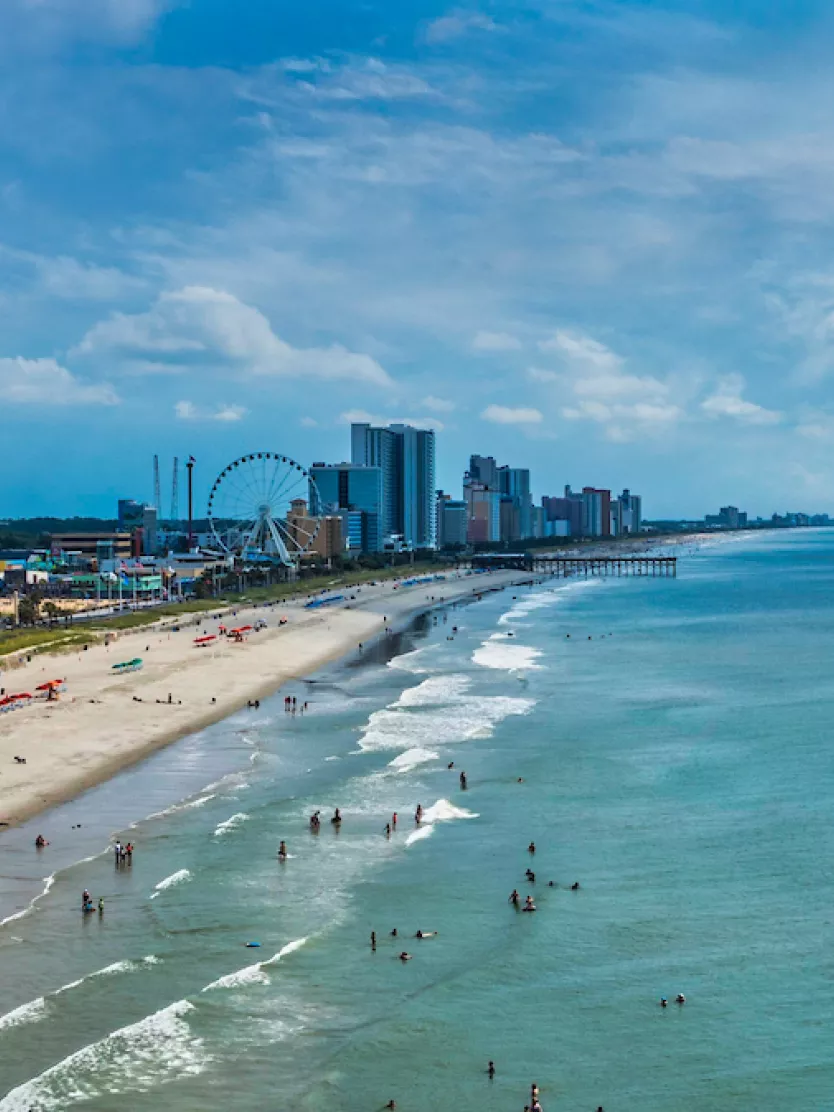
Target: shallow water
x=678 y=764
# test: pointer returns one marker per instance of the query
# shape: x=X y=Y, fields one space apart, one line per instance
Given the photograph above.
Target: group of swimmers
x=123 y=853
x=679 y=999
x=315 y=821
x=87 y=903
x=291 y=705
x=404 y=954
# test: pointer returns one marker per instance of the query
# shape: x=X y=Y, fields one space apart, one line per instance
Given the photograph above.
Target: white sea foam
x=179 y=877
x=230 y=824
x=466 y=717
x=419 y=834
x=26 y=1013
x=254 y=974
x=413 y=662
x=47 y=884
x=333 y=758
x=444 y=811
x=250 y=975
x=412 y=758
x=503 y=655
x=158 y=1049
x=435 y=690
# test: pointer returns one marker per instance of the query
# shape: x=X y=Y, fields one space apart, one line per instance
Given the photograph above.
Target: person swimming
x=664 y=1002
x=531 y=876
x=405 y=956
x=680 y=998
x=394 y=933
x=425 y=934
x=575 y=886
x=451 y=764
x=337 y=817
x=40 y=842
x=514 y=897
x=282 y=852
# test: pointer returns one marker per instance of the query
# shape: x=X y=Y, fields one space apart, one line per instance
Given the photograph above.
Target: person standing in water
x=418 y=814
x=373 y=940
x=282 y=852
x=337 y=817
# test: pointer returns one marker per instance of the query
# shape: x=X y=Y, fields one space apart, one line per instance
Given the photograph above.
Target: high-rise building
x=567 y=508
x=406 y=458
x=596 y=512
x=514 y=483
x=452 y=521
x=483 y=508
x=484 y=470
x=354 y=492
x=631 y=512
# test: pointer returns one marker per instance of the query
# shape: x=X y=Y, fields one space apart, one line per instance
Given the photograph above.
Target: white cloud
x=188 y=411
x=539 y=374
x=580 y=349
x=123 y=20
x=68 y=278
x=211 y=326
x=505 y=415
x=308 y=423
x=45 y=382
x=496 y=341
x=438 y=405
x=361 y=416
x=628 y=406
x=452 y=26
x=728 y=402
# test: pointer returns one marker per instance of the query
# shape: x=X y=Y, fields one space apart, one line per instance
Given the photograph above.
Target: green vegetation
x=64 y=636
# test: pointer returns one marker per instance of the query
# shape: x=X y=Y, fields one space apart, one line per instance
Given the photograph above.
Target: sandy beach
x=104 y=722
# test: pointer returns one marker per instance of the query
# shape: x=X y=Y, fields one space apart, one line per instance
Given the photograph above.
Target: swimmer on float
x=529 y=905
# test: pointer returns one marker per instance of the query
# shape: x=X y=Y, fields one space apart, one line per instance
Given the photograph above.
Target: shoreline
x=69 y=746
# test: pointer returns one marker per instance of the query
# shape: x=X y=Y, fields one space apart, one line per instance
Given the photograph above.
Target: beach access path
x=104 y=722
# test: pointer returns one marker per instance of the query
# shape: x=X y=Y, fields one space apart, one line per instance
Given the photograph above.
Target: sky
x=590 y=237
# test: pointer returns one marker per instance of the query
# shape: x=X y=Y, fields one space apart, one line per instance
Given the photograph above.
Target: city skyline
x=230 y=230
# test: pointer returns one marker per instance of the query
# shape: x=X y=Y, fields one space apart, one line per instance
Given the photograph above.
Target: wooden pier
x=601 y=567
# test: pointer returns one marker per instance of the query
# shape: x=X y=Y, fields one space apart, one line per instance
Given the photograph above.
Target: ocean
x=667 y=744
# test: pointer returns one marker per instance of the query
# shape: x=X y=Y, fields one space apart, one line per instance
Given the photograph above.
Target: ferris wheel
x=258 y=508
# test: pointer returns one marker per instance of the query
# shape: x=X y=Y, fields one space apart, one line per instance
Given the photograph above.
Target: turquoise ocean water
x=679 y=764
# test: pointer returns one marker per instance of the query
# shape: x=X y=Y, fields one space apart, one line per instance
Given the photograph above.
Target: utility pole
x=175 y=491
x=157 y=496
x=190 y=469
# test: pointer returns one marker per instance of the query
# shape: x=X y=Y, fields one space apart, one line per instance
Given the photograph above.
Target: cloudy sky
x=592 y=237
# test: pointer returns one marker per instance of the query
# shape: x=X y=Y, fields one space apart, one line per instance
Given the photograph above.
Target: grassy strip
x=61 y=638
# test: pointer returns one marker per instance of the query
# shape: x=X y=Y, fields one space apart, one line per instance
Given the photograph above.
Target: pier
x=604 y=566
x=584 y=567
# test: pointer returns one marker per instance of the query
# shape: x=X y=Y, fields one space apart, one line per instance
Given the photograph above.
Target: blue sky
x=586 y=236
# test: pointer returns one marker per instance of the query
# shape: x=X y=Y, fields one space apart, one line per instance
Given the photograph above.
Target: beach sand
x=97 y=727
